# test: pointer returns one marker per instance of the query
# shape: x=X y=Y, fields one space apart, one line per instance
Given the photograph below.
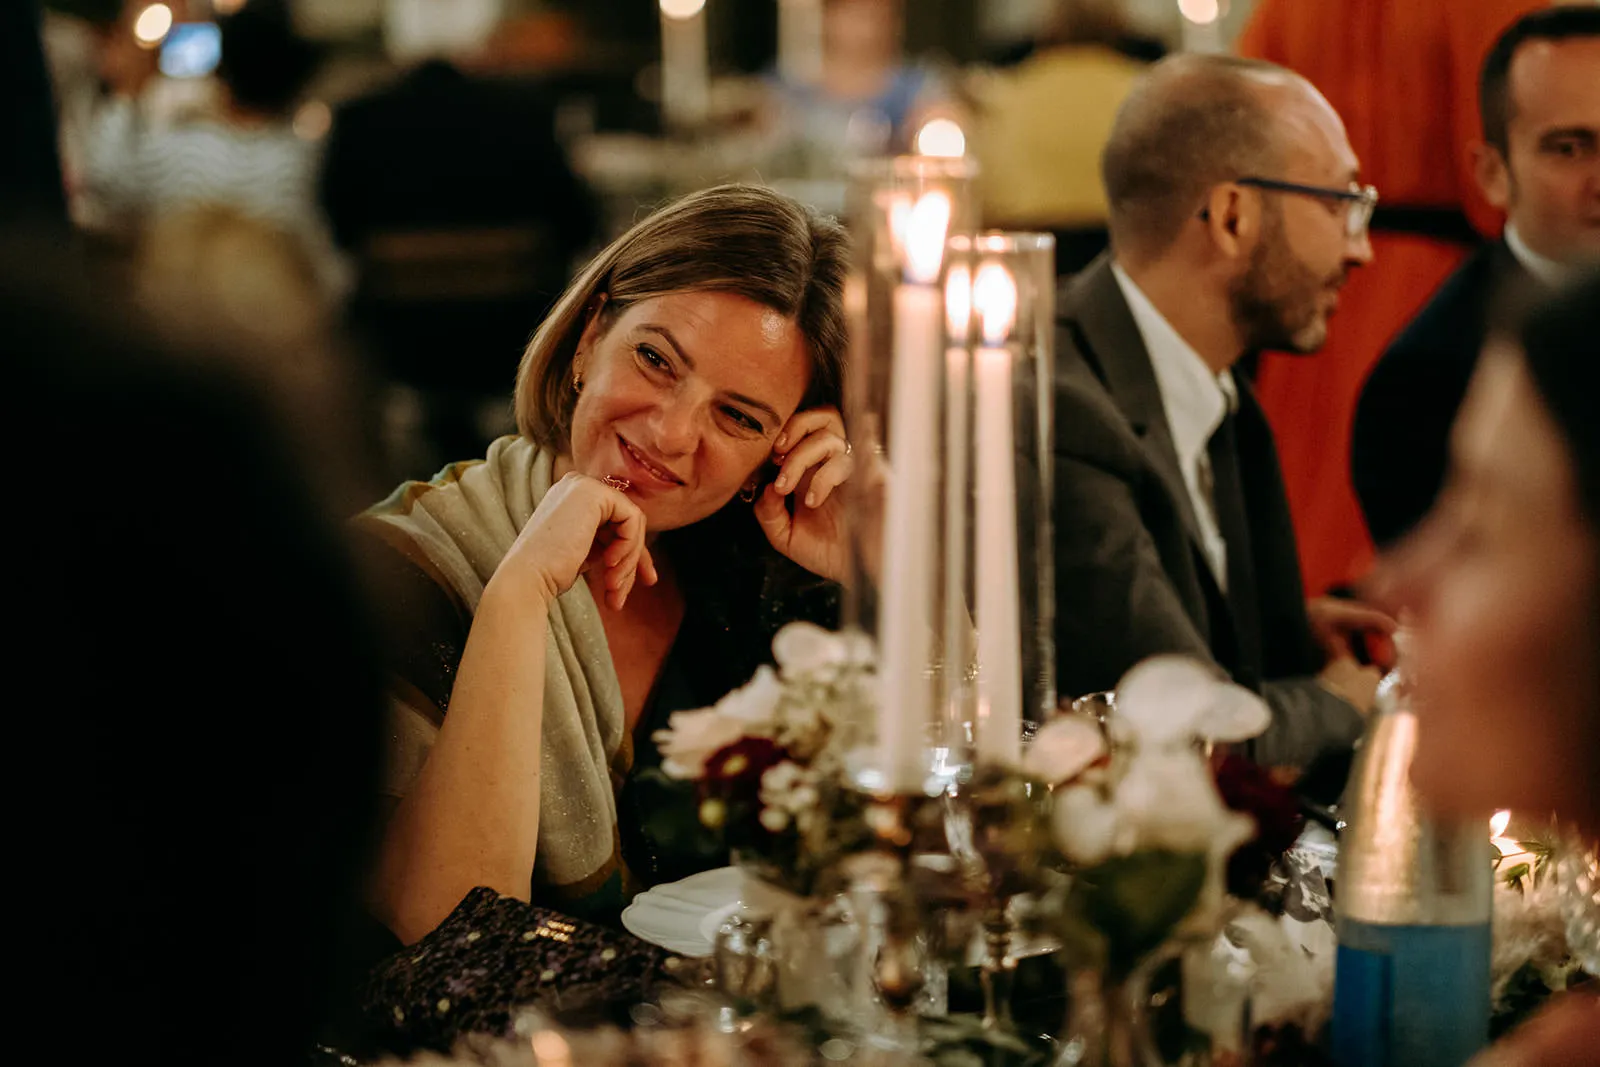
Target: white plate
x=684 y=916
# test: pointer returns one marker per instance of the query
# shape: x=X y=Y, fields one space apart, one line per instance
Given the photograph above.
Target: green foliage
x=1519 y=874
x=1117 y=912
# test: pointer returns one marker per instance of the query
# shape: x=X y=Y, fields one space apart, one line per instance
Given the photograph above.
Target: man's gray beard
x=1274 y=301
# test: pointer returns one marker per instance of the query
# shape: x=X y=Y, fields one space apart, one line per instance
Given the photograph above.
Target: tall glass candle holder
x=999 y=555
x=903 y=213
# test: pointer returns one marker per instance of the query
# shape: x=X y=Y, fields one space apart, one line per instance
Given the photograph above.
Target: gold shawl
x=458 y=528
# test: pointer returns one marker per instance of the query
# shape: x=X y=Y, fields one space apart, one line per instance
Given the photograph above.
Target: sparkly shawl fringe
x=458 y=527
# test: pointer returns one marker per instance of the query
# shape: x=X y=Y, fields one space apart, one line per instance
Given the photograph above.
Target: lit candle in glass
x=906 y=607
x=994 y=298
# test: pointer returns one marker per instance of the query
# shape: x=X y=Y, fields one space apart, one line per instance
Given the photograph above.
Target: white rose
x=1169 y=800
x=1233 y=714
x=804 y=650
x=692 y=737
x=1162 y=699
x=1173 y=700
x=1063 y=748
x=1085 y=825
x=756 y=701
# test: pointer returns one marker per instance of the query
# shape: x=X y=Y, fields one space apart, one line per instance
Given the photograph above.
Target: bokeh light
x=313 y=120
x=682 y=9
x=152 y=25
x=1200 y=12
x=941 y=137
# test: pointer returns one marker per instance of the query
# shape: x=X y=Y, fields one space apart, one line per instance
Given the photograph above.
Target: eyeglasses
x=1359 y=200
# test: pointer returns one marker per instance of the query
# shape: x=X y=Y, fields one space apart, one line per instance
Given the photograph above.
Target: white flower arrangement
x=767 y=758
x=1145 y=810
x=1160 y=793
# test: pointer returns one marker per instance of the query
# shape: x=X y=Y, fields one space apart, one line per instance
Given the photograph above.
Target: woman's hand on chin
x=800 y=512
x=581 y=523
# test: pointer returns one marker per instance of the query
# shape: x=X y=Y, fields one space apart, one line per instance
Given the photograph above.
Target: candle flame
x=682 y=9
x=958 y=302
x=924 y=235
x=994 y=294
x=1200 y=12
x=899 y=212
x=1506 y=846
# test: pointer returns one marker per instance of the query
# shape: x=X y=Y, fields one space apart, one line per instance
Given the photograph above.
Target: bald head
x=1192 y=122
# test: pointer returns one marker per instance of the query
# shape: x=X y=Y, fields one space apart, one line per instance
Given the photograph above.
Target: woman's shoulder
x=424 y=620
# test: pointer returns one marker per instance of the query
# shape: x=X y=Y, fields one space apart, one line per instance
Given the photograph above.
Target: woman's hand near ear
x=801 y=512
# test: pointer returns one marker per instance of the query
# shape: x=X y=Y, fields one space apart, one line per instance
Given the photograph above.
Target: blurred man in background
x=1040 y=163
x=1403 y=74
x=244 y=155
x=1539 y=161
x=463 y=217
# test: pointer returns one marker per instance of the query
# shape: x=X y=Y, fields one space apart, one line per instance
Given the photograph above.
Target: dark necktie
x=1233 y=522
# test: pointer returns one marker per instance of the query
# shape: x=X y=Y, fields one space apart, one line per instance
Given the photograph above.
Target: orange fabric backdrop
x=1404 y=75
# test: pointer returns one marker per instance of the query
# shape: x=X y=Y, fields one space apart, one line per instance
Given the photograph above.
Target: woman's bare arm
x=472 y=817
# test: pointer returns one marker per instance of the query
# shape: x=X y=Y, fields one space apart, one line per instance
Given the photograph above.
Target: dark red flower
x=1248 y=787
x=734 y=771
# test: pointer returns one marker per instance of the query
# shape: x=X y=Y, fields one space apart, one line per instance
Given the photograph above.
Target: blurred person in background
x=463 y=217
x=1539 y=161
x=246 y=157
x=1403 y=74
x=212 y=271
x=31 y=191
x=206 y=694
x=868 y=98
x=667 y=505
x=1040 y=163
x=1501 y=581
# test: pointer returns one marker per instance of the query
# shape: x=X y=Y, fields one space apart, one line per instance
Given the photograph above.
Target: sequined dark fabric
x=495 y=956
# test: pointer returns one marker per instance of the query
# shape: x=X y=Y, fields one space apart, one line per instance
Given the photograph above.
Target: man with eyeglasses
x=1539 y=161
x=1237 y=214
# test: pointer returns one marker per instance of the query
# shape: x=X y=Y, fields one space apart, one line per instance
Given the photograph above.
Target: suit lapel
x=1095 y=310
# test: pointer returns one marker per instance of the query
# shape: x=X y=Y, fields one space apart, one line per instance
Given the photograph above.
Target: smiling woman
x=680 y=443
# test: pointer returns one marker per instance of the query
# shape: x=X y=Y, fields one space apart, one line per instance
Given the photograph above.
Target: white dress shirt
x=1547 y=270
x=1196 y=401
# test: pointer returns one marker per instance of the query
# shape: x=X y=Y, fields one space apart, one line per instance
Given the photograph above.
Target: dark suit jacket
x=1399 y=443
x=1131 y=578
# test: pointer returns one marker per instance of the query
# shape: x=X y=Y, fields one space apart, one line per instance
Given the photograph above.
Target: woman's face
x=682 y=397
x=1501 y=585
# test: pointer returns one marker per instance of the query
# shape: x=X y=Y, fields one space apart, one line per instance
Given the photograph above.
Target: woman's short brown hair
x=741 y=239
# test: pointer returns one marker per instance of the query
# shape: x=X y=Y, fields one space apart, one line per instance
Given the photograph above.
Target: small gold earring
x=747 y=494
x=577 y=382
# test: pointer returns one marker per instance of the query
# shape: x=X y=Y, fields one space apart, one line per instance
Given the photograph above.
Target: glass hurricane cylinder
x=902 y=214
x=999 y=557
x=951 y=493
